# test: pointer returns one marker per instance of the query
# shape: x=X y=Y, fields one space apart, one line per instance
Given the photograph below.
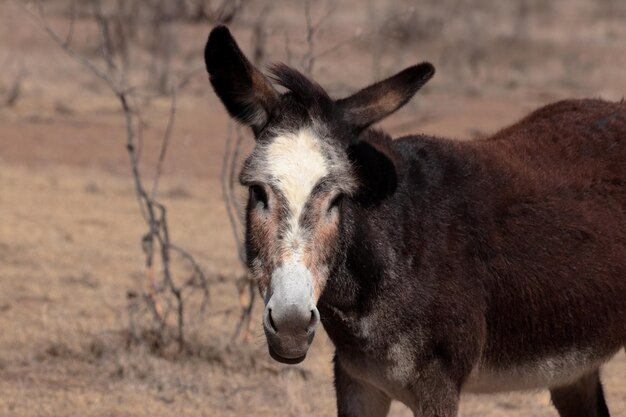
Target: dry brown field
x=70 y=228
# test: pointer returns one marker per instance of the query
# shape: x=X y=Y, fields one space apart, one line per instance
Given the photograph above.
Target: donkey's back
x=557 y=247
x=568 y=143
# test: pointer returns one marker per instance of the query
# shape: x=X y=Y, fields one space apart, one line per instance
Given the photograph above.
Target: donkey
x=436 y=266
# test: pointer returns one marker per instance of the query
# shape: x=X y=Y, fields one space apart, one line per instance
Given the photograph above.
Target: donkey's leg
x=436 y=393
x=358 y=399
x=582 y=398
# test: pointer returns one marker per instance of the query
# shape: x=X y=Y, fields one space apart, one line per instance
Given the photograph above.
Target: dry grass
x=70 y=229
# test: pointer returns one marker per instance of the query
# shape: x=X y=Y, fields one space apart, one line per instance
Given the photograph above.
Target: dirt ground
x=70 y=227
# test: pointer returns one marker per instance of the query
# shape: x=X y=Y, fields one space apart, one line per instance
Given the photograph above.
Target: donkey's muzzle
x=290 y=316
x=290 y=331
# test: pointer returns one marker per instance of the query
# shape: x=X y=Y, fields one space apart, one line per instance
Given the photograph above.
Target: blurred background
x=122 y=290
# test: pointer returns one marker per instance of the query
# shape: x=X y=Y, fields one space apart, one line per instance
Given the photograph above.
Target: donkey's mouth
x=288 y=348
x=282 y=359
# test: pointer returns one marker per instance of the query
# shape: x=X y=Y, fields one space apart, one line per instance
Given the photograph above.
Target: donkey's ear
x=247 y=94
x=379 y=100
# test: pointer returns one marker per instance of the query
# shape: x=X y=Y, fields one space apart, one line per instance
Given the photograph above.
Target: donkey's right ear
x=247 y=94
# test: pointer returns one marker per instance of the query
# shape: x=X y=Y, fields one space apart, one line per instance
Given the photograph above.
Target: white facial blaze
x=296 y=164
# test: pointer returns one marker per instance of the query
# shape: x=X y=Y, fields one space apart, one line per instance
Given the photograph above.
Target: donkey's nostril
x=315 y=318
x=290 y=320
x=271 y=320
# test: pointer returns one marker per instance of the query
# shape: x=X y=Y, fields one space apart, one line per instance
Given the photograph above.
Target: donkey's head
x=298 y=175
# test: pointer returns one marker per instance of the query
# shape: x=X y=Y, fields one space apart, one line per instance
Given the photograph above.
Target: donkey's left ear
x=379 y=100
x=246 y=93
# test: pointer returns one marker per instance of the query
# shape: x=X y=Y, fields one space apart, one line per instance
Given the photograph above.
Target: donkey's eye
x=335 y=203
x=258 y=196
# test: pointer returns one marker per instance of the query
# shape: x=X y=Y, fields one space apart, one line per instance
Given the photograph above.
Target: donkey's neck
x=371 y=286
x=397 y=251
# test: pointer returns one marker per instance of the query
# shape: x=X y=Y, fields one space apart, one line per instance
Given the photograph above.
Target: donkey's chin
x=289 y=349
x=286 y=360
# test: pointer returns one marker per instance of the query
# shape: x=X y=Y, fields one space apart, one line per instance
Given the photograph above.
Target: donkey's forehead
x=294 y=162
x=288 y=159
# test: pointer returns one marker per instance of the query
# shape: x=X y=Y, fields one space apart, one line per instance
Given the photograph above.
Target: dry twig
x=153 y=212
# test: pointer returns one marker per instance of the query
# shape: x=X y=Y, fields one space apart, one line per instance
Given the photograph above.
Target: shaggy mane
x=303 y=89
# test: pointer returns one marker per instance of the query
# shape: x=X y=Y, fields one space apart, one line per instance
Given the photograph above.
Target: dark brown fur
x=499 y=252
x=555 y=229
x=453 y=262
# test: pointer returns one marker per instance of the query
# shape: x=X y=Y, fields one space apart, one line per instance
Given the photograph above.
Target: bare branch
x=153 y=212
x=288 y=53
x=164 y=143
x=245 y=284
x=233 y=170
x=309 y=57
x=338 y=46
x=332 y=8
x=14 y=91
x=376 y=46
x=105 y=34
x=70 y=31
x=41 y=21
x=259 y=34
x=227 y=168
